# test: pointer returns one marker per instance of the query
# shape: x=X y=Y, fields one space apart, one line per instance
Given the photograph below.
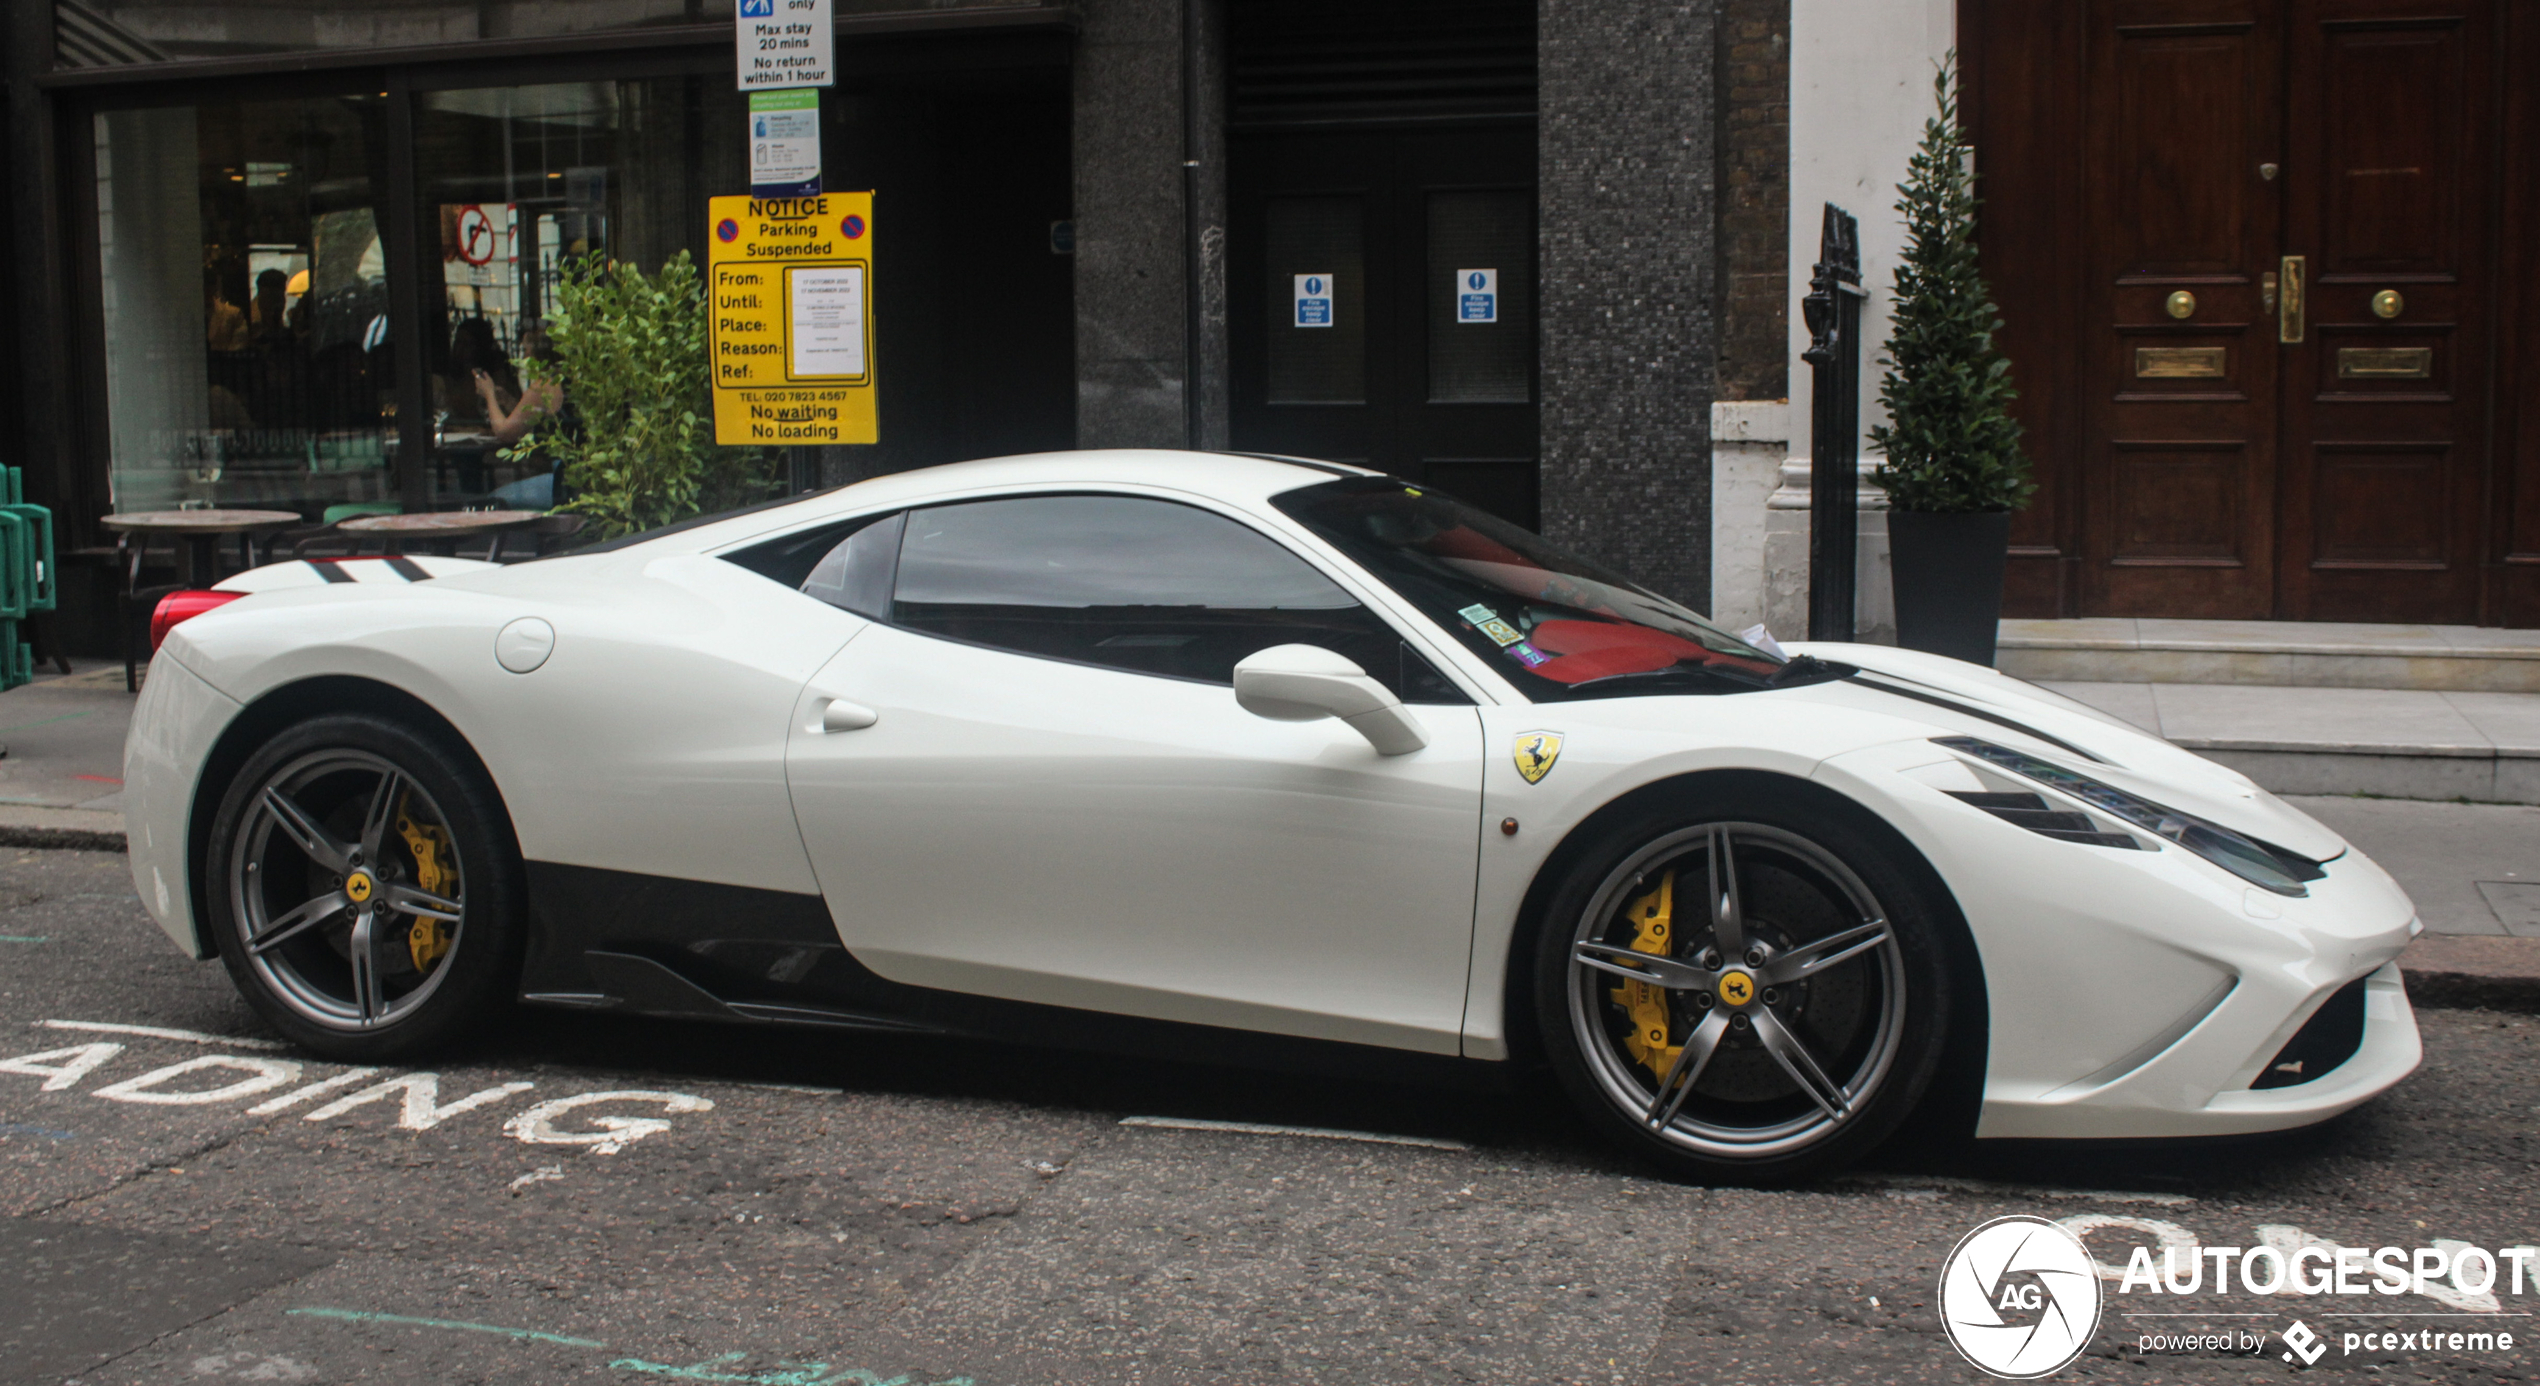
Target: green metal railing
x=26 y=576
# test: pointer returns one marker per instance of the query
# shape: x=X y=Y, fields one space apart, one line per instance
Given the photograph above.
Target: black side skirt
x=618 y=941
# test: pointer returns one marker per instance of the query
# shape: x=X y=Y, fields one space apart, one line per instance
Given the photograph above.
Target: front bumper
x=2133 y=994
x=2159 y=1098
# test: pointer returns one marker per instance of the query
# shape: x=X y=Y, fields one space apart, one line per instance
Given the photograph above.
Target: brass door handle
x=2292 y=314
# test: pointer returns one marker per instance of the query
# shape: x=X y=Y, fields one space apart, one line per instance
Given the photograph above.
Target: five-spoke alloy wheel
x=1742 y=987
x=363 y=887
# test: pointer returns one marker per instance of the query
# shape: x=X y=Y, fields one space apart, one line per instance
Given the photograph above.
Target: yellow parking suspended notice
x=790 y=285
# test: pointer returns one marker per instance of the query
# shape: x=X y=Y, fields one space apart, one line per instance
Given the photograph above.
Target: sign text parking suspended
x=791 y=281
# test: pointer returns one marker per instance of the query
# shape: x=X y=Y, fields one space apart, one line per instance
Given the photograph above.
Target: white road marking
x=536 y=1126
x=416 y=1097
x=79 y=1061
x=297 y=1096
x=1323 y=1133
x=1944 y=1183
x=788 y=1087
x=419 y=1095
x=104 y=1027
x=263 y=1075
x=539 y=1175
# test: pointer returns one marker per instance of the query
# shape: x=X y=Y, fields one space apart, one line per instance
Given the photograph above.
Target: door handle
x=2292 y=311
x=843 y=716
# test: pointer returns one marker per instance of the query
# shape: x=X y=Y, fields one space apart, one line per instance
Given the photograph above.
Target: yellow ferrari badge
x=1736 y=988
x=1536 y=750
x=358 y=887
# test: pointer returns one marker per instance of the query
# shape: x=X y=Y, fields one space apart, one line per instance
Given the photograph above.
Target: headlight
x=2246 y=857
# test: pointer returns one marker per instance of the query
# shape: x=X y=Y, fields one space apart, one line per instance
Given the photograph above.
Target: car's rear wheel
x=365 y=888
x=1744 y=986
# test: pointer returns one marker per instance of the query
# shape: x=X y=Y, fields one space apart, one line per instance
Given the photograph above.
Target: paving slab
x=2509 y=721
x=2442 y=854
x=2239 y=717
x=65 y=740
x=2401 y=743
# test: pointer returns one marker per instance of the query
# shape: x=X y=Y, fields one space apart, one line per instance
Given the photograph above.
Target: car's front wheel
x=1744 y=985
x=364 y=888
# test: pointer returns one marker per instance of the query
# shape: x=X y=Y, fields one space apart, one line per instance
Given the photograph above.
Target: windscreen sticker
x=1502 y=632
x=1477 y=613
x=1529 y=655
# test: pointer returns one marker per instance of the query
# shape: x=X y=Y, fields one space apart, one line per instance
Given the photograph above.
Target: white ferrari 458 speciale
x=1247 y=758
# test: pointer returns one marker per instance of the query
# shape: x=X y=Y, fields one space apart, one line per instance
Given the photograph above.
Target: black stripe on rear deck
x=332 y=572
x=407 y=568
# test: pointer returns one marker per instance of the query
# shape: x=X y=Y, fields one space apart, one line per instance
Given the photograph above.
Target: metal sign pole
x=1833 y=312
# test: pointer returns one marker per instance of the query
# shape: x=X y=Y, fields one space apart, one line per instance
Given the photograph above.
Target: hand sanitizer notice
x=785 y=142
x=1477 y=295
x=1314 y=300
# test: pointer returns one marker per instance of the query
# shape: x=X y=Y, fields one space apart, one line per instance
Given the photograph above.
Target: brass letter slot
x=2178 y=363
x=2385 y=363
x=2292 y=313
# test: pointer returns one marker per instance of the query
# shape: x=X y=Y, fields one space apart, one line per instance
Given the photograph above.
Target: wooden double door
x=2276 y=363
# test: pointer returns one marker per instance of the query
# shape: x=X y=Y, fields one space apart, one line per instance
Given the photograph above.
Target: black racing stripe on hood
x=331 y=571
x=408 y=569
x=1996 y=718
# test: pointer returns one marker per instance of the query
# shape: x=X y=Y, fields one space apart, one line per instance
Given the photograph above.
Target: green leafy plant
x=631 y=357
x=1952 y=446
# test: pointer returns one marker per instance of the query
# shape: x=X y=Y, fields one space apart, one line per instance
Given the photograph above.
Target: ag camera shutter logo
x=2019 y=1298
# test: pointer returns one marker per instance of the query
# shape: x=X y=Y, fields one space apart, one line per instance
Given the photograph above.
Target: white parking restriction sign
x=1477 y=295
x=1314 y=300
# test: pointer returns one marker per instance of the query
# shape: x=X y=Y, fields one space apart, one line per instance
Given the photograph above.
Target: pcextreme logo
x=2019 y=1298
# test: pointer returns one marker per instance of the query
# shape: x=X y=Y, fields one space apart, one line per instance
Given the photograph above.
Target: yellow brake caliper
x=1655 y=913
x=429 y=938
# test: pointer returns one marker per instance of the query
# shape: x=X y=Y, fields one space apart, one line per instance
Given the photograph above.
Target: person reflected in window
x=264 y=314
x=476 y=358
x=224 y=324
x=540 y=400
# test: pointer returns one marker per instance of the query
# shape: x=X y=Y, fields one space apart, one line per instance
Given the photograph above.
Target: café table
x=443 y=529
x=201 y=530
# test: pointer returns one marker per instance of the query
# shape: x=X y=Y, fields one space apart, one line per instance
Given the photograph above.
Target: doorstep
x=2395 y=743
x=2299 y=654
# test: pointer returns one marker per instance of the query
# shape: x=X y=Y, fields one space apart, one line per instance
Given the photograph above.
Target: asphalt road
x=801 y=1209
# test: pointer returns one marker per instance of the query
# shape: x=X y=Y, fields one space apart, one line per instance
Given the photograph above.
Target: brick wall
x=1754 y=80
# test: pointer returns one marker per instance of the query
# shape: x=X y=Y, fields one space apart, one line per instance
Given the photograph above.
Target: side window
x=1147 y=586
x=856 y=574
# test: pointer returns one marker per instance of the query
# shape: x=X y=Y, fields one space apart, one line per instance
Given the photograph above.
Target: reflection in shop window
x=245 y=299
x=524 y=181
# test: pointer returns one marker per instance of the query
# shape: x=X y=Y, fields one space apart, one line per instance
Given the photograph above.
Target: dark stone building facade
x=1098 y=218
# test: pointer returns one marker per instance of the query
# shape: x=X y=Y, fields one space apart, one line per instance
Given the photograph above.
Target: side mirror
x=1304 y=683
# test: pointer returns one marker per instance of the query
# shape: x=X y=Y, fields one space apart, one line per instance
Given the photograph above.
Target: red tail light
x=176 y=608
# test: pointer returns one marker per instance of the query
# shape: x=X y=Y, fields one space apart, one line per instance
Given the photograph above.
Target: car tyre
x=1761 y=1034
x=364 y=889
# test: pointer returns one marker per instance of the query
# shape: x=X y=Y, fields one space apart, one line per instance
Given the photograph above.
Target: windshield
x=1555 y=625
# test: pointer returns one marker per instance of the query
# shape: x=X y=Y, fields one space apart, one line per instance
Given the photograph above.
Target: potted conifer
x=1954 y=470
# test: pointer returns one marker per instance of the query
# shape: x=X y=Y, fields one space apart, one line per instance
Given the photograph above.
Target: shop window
x=245 y=298
x=521 y=183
